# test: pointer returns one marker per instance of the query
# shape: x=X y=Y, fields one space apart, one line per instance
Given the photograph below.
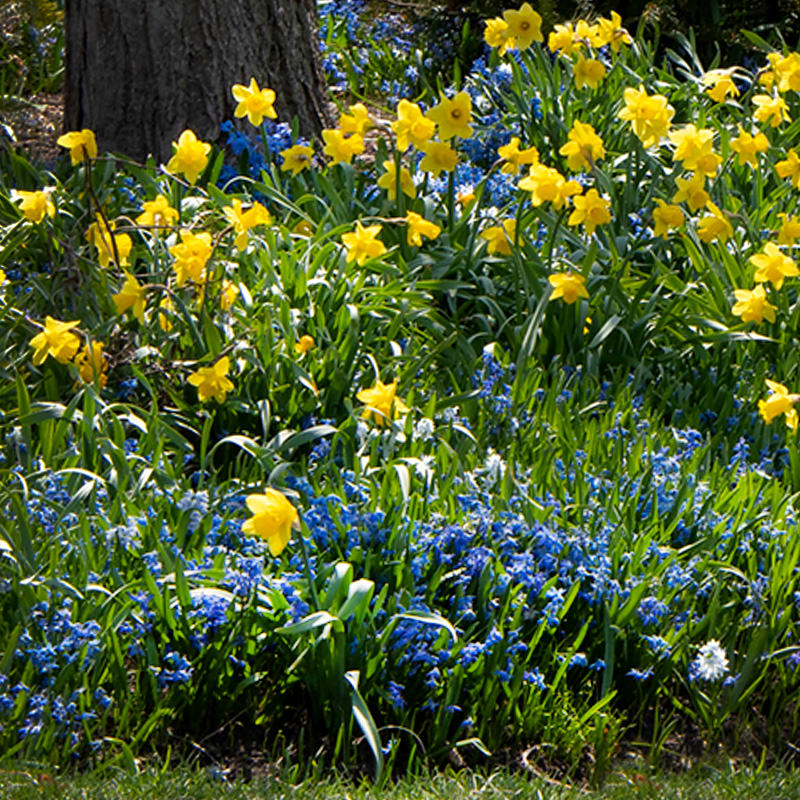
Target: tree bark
x=138 y=72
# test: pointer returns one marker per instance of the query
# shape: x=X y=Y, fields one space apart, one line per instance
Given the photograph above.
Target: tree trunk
x=138 y=72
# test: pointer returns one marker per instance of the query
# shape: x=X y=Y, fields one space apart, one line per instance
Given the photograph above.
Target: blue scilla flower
x=535 y=678
x=651 y=610
x=396 y=695
x=640 y=674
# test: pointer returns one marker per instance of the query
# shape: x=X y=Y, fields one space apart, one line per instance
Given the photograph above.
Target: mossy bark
x=139 y=72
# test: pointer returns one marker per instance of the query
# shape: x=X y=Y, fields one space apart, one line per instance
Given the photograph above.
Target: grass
x=701 y=784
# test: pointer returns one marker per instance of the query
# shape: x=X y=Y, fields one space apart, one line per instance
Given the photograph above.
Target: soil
x=34 y=125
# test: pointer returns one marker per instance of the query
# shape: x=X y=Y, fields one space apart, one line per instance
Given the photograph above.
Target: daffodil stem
x=451 y=201
x=312 y=587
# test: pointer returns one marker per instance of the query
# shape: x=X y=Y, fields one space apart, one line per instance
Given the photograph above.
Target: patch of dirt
x=35 y=125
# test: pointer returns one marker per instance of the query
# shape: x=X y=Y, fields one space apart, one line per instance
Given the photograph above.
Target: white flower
x=711 y=662
x=423 y=429
x=494 y=467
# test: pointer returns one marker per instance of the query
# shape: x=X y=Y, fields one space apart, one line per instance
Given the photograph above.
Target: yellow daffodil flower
x=524 y=25
x=588 y=72
x=771 y=109
x=666 y=216
x=439 y=157
x=190 y=156
x=720 y=84
x=35 y=206
x=382 y=402
x=157 y=213
x=692 y=191
x=453 y=116
x=548 y=185
x=131 y=296
x=81 y=145
x=584 y=148
x=212 y=381
x=746 y=146
x=388 y=181
x=304 y=344
x=357 y=121
x=753 y=306
x=418 y=227
x=362 y=244
x=243 y=221
x=789 y=230
x=515 y=158
x=497 y=35
x=297 y=158
x=779 y=402
x=568 y=286
x=501 y=237
x=254 y=103
x=340 y=148
x=191 y=255
x=92 y=364
x=774 y=266
x=649 y=115
x=590 y=210
x=790 y=168
x=412 y=126
x=273 y=519
x=714 y=226
x=55 y=340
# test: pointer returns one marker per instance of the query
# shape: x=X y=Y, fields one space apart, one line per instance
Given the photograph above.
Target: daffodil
x=412 y=126
x=157 y=213
x=227 y=295
x=746 y=146
x=439 y=157
x=212 y=381
x=497 y=35
x=388 y=181
x=297 y=158
x=191 y=255
x=254 y=103
x=789 y=230
x=244 y=220
x=568 y=286
x=357 y=121
x=515 y=158
x=790 y=168
x=691 y=145
x=548 y=185
x=273 y=519
x=584 y=148
x=35 y=206
x=57 y=340
x=304 y=344
x=340 y=148
x=524 y=25
x=720 y=84
x=363 y=244
x=714 y=225
x=562 y=39
x=779 y=402
x=190 y=156
x=753 y=306
x=692 y=191
x=666 y=217
x=452 y=116
x=418 y=227
x=131 y=296
x=590 y=210
x=771 y=109
x=588 y=72
x=774 y=266
x=649 y=115
x=81 y=145
x=92 y=363
x=611 y=32
x=501 y=237
x=110 y=246
x=382 y=403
